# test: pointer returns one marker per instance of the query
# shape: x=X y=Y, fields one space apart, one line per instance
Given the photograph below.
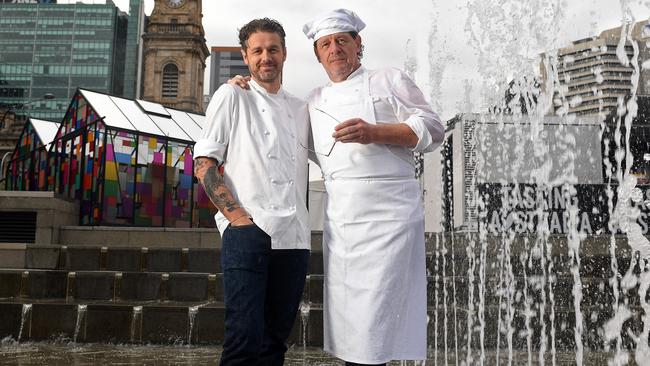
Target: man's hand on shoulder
x=240 y=81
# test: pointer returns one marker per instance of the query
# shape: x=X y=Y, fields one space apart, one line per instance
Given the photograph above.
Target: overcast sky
x=529 y=27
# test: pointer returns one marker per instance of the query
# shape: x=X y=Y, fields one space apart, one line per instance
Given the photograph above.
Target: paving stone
x=164 y=260
x=42 y=257
x=10 y=284
x=165 y=324
x=109 y=323
x=53 y=321
x=204 y=260
x=47 y=284
x=123 y=259
x=82 y=258
x=136 y=286
x=187 y=287
x=210 y=325
x=94 y=285
x=10 y=318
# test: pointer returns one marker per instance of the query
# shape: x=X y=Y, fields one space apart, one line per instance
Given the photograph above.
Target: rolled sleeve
x=215 y=136
x=413 y=109
x=424 y=134
x=210 y=149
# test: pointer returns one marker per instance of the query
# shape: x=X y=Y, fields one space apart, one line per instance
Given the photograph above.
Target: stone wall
x=52 y=212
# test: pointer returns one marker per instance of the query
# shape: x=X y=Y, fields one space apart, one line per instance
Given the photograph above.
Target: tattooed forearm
x=207 y=171
x=216 y=189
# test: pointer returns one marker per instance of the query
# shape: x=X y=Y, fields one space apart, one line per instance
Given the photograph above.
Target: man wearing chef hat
x=366 y=125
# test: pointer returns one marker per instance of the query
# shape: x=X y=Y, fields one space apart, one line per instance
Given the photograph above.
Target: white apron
x=373 y=244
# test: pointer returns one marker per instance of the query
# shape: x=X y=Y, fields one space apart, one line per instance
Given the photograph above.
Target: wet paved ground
x=61 y=354
x=66 y=354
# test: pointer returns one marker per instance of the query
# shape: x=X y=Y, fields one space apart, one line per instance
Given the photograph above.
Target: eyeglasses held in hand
x=331 y=148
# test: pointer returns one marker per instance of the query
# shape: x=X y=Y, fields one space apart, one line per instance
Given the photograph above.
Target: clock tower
x=175 y=54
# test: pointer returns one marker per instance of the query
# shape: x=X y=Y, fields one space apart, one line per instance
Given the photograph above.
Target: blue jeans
x=262 y=291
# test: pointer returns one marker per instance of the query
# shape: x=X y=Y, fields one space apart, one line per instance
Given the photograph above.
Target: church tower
x=175 y=54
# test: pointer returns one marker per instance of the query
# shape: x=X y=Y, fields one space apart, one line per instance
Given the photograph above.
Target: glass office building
x=133 y=56
x=56 y=48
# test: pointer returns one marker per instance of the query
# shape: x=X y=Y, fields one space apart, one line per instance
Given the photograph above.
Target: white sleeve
x=219 y=118
x=411 y=108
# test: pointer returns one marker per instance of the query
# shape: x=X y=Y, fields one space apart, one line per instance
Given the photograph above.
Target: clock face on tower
x=175 y=3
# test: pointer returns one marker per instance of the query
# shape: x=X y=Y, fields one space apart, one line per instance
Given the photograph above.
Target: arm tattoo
x=199 y=163
x=216 y=189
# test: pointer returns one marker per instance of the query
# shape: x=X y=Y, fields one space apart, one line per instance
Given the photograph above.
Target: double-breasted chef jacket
x=373 y=233
x=260 y=142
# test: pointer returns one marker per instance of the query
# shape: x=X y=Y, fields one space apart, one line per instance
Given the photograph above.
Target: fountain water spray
x=25 y=319
x=81 y=317
x=136 y=324
x=191 y=316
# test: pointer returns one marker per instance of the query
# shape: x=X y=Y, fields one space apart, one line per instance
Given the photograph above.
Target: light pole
x=12 y=108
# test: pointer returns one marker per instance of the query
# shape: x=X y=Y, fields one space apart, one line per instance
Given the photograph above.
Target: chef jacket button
x=272 y=180
x=269 y=156
x=272 y=207
x=291 y=182
x=267 y=133
x=293 y=158
x=263 y=110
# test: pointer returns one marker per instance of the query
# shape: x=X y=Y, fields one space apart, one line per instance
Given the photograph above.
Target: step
x=202 y=323
x=124 y=286
x=96 y=258
x=158 y=323
x=202 y=260
x=190 y=286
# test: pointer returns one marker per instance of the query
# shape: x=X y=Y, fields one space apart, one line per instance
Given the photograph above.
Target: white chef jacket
x=396 y=99
x=257 y=136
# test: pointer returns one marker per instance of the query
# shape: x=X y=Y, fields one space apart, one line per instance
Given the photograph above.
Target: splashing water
x=24 y=319
x=81 y=317
x=136 y=323
x=305 y=308
x=191 y=316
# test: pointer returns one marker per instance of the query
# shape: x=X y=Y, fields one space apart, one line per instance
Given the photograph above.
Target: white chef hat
x=335 y=21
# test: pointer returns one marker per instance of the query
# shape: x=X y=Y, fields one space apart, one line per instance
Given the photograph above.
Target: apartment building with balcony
x=593 y=74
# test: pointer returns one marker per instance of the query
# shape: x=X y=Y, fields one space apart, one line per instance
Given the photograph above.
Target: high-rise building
x=175 y=54
x=225 y=62
x=52 y=48
x=133 y=57
x=591 y=75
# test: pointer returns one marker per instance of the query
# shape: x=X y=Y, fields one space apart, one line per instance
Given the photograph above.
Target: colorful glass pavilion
x=28 y=164
x=126 y=162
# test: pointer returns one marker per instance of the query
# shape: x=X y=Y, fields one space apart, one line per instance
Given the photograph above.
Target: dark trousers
x=262 y=291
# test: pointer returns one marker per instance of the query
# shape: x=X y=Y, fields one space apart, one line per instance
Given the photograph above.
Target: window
x=170 y=81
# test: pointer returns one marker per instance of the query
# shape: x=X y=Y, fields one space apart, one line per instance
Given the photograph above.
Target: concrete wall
x=52 y=212
x=140 y=237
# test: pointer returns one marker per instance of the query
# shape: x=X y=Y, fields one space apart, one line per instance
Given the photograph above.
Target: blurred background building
x=225 y=62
